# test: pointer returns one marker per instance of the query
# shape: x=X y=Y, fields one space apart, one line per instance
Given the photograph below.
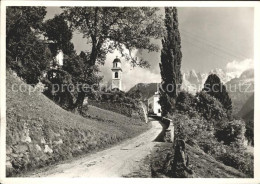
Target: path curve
x=117 y=161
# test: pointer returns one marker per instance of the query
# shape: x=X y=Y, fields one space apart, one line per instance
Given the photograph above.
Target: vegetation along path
x=118 y=161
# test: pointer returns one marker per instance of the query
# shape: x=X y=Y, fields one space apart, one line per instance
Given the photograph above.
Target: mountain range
x=194 y=81
x=240 y=88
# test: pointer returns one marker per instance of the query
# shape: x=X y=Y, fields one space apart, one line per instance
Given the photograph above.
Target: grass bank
x=203 y=165
x=40 y=133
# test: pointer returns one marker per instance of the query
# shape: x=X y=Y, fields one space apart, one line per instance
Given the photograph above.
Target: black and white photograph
x=121 y=91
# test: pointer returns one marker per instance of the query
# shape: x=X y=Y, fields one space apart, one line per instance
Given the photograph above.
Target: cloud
x=238 y=67
x=131 y=76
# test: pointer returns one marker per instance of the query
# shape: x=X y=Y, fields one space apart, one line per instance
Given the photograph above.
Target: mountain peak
x=247 y=74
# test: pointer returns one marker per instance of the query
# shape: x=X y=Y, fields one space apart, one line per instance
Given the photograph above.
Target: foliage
x=214 y=87
x=80 y=70
x=186 y=128
x=57 y=30
x=230 y=132
x=119 y=102
x=206 y=125
x=110 y=28
x=238 y=159
x=170 y=62
x=209 y=107
x=204 y=165
x=250 y=131
x=59 y=88
x=202 y=105
x=135 y=94
x=199 y=133
x=62 y=84
x=185 y=103
x=26 y=54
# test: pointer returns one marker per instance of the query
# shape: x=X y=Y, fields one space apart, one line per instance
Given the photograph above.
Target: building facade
x=117 y=74
x=153 y=104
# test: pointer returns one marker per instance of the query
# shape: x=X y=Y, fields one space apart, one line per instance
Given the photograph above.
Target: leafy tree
x=170 y=62
x=185 y=102
x=25 y=52
x=201 y=105
x=214 y=87
x=57 y=30
x=59 y=87
x=231 y=132
x=250 y=131
x=135 y=94
x=209 y=107
x=110 y=28
x=80 y=69
x=67 y=80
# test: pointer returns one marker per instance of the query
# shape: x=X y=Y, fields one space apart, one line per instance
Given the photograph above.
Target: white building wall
x=117 y=82
x=59 y=58
x=156 y=107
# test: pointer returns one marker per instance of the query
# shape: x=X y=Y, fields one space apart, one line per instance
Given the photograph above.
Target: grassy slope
x=47 y=120
x=203 y=165
x=37 y=105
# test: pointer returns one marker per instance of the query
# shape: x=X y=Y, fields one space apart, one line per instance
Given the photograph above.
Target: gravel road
x=118 y=161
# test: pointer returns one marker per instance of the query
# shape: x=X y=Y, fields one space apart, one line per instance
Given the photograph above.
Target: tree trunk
x=79 y=102
x=96 y=46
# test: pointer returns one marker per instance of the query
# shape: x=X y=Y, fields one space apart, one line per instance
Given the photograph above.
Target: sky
x=210 y=38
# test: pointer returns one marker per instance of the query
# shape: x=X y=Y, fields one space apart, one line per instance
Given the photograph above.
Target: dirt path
x=118 y=161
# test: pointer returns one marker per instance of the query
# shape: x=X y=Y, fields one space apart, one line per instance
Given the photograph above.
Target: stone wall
x=35 y=144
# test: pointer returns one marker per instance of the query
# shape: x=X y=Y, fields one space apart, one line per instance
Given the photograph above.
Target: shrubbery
x=241 y=160
x=185 y=102
x=119 y=102
x=229 y=132
x=199 y=133
x=200 y=105
x=209 y=107
x=203 y=122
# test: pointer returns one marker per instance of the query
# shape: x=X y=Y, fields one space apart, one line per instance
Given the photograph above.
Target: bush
x=200 y=105
x=189 y=129
x=118 y=102
x=238 y=159
x=209 y=107
x=185 y=102
x=232 y=131
x=200 y=133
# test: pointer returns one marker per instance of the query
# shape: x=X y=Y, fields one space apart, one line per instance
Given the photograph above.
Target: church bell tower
x=117 y=74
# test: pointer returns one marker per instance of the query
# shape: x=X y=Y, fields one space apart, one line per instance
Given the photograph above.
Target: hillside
x=247 y=114
x=147 y=89
x=40 y=133
x=247 y=110
x=240 y=89
x=203 y=165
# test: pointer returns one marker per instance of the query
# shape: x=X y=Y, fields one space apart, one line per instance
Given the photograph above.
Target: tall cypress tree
x=170 y=65
x=214 y=87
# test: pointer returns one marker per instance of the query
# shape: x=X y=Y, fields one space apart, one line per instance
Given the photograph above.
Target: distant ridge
x=247 y=111
x=147 y=89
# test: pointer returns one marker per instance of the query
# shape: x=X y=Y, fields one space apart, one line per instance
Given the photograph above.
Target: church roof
x=117 y=60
